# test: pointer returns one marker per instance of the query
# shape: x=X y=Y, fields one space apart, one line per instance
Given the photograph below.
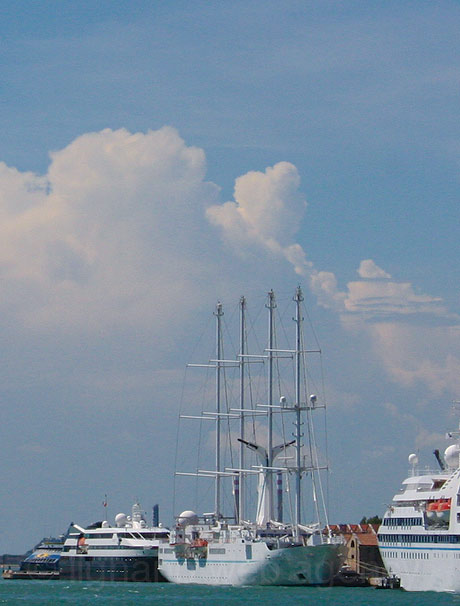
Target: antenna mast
x=240 y=478
x=271 y=305
x=218 y=313
x=298 y=298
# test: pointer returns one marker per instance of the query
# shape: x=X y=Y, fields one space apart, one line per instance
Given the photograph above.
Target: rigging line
x=248 y=369
x=176 y=450
x=310 y=323
x=311 y=445
x=287 y=311
x=279 y=322
x=326 y=443
x=205 y=330
x=325 y=501
x=228 y=333
x=204 y=385
x=252 y=323
x=227 y=409
x=320 y=483
x=289 y=493
x=315 y=462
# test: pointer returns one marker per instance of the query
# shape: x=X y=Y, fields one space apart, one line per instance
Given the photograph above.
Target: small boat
x=346 y=577
x=41 y=563
x=390 y=582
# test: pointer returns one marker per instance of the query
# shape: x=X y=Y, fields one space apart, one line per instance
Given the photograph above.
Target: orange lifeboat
x=444 y=505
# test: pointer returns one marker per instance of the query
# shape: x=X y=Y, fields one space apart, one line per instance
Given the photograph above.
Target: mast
x=298 y=298
x=218 y=313
x=271 y=305
x=240 y=478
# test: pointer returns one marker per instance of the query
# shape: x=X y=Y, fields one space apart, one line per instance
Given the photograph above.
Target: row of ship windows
x=402 y=522
x=215 y=550
x=418 y=555
x=89 y=547
x=127 y=535
x=404 y=555
x=66 y=564
x=418 y=538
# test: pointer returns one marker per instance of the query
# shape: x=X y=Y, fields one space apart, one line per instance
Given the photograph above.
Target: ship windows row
x=85 y=548
x=418 y=538
x=402 y=521
x=127 y=535
x=417 y=555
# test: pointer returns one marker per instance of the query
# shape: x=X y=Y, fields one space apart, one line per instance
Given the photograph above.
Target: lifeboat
x=199 y=548
x=431 y=511
x=443 y=511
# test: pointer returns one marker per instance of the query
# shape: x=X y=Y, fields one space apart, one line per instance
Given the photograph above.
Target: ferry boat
x=42 y=562
x=419 y=538
x=126 y=551
x=219 y=549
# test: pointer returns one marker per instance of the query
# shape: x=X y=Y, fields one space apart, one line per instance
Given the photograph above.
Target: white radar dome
x=451 y=455
x=187 y=518
x=413 y=459
x=120 y=520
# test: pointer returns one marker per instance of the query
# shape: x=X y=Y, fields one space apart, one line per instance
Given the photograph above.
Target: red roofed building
x=363 y=553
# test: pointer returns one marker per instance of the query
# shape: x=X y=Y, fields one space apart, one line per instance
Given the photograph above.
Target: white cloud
x=119 y=228
x=423 y=355
x=369 y=269
x=113 y=233
x=324 y=285
x=377 y=298
x=266 y=212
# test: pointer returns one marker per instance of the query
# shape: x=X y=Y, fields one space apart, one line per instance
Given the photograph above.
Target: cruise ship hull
x=104 y=568
x=428 y=570
x=254 y=564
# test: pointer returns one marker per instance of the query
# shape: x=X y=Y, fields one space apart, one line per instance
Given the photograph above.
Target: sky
x=158 y=157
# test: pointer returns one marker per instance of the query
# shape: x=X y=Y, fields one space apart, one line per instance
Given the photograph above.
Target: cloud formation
x=115 y=225
x=123 y=224
x=369 y=269
x=266 y=212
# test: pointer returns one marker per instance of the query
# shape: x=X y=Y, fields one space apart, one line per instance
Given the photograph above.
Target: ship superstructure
x=419 y=538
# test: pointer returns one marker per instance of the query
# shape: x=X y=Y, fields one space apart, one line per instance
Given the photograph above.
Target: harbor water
x=140 y=594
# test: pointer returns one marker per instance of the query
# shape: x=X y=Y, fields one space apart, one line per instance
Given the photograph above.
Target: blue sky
x=158 y=156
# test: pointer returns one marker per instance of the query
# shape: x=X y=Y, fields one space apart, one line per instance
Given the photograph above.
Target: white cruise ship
x=218 y=549
x=419 y=538
x=126 y=551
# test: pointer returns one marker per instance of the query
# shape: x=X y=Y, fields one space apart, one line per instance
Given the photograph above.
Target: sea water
x=139 y=594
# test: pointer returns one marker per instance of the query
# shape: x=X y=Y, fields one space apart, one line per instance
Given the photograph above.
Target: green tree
x=374 y=520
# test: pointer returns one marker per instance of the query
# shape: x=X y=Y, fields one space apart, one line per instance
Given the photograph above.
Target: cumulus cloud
x=123 y=224
x=112 y=233
x=369 y=269
x=266 y=212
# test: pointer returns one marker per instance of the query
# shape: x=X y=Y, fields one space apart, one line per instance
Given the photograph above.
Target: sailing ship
x=419 y=538
x=214 y=549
